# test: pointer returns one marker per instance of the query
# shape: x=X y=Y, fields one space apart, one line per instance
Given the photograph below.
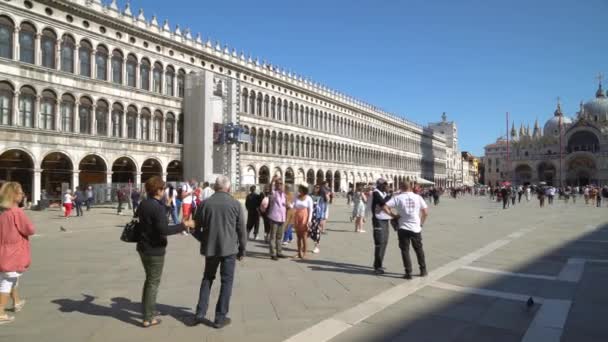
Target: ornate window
x=67 y=113
x=169 y=81
x=47 y=110
x=101 y=62
x=48 y=42
x=27 y=98
x=84 y=56
x=6 y=37
x=67 y=54
x=245 y=96
x=157 y=78
x=170 y=128
x=181 y=83
x=85 y=115
x=101 y=118
x=6 y=103
x=131 y=68
x=27 y=43
x=158 y=122
x=145 y=124
x=144 y=74
x=117 y=113
x=117 y=60
x=131 y=122
x=252 y=102
x=180 y=128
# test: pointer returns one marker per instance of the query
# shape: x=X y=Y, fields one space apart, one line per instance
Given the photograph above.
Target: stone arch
x=17 y=165
x=310 y=176
x=175 y=171
x=547 y=172
x=264 y=175
x=124 y=170
x=248 y=176
x=57 y=174
x=523 y=174
x=151 y=167
x=93 y=169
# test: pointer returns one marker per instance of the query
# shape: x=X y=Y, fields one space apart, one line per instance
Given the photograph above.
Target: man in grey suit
x=220 y=227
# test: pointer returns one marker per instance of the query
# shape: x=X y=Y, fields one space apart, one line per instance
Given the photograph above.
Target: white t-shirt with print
x=186 y=189
x=408 y=206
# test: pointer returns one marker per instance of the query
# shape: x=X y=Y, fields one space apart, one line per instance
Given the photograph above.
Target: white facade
x=454 y=163
x=90 y=94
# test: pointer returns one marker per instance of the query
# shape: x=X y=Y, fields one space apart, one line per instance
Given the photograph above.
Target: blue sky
x=473 y=59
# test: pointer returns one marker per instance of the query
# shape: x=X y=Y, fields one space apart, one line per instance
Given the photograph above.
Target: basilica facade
x=94 y=94
x=565 y=151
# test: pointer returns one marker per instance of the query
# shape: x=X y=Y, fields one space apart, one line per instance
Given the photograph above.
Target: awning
x=423 y=181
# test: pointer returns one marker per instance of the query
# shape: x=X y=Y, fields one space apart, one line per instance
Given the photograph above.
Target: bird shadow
x=122 y=309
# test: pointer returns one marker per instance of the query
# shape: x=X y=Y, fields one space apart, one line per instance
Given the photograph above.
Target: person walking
x=152 y=244
x=504 y=194
x=90 y=197
x=207 y=192
x=79 y=199
x=513 y=194
x=520 y=193
x=15 y=253
x=528 y=192
x=264 y=202
x=326 y=194
x=187 y=199
x=412 y=212
x=541 y=197
x=277 y=213
x=252 y=204
x=304 y=207
x=380 y=223
x=359 y=201
x=314 y=231
x=135 y=198
x=67 y=203
x=121 y=196
x=220 y=228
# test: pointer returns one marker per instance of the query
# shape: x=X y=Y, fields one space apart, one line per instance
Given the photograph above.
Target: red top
x=15 y=229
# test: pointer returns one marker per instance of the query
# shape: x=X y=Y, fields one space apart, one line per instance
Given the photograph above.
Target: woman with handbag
x=154 y=229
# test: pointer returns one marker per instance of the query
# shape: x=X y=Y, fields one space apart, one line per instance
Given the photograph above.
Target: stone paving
x=85 y=284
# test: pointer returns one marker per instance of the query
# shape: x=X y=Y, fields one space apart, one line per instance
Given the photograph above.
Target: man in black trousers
x=252 y=203
x=380 y=223
x=220 y=227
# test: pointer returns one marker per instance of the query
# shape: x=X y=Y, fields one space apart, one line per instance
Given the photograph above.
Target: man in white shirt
x=207 y=192
x=380 y=223
x=412 y=212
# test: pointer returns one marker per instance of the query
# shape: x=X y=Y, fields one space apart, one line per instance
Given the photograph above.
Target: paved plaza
x=484 y=262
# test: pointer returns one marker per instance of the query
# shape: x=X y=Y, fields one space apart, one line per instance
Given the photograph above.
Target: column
x=93 y=120
x=75 y=179
x=16 y=45
x=76 y=60
x=163 y=131
x=76 y=117
x=15 y=118
x=124 y=75
x=175 y=84
x=36 y=186
x=138 y=179
x=58 y=54
x=109 y=121
x=36 y=113
x=164 y=176
x=123 y=125
x=137 y=80
x=175 y=132
x=58 y=115
x=37 y=49
x=109 y=186
x=138 y=126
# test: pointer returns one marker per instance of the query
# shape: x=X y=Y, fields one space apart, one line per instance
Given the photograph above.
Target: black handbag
x=131 y=233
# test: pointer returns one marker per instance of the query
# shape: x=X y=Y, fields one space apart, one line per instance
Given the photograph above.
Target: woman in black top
x=155 y=228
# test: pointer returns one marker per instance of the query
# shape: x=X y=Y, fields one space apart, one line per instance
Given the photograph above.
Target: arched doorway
x=278 y=172
x=301 y=177
x=581 y=170
x=546 y=173
x=123 y=171
x=329 y=178
x=583 y=141
x=57 y=171
x=290 y=177
x=175 y=171
x=150 y=168
x=310 y=177
x=523 y=174
x=93 y=170
x=320 y=177
x=264 y=175
x=337 y=181
x=17 y=166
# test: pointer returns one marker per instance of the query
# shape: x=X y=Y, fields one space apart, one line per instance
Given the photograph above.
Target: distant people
x=550 y=194
x=220 y=227
x=207 y=192
x=513 y=194
x=90 y=197
x=79 y=200
x=528 y=192
x=504 y=194
x=135 y=199
x=170 y=195
x=153 y=243
x=277 y=214
x=121 y=196
x=252 y=204
x=541 y=197
x=187 y=196
x=314 y=230
x=412 y=213
x=264 y=202
x=325 y=194
x=380 y=223
x=15 y=254
x=68 y=203
x=359 y=203
x=304 y=207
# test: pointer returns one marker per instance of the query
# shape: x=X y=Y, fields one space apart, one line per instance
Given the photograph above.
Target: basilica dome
x=598 y=106
x=552 y=125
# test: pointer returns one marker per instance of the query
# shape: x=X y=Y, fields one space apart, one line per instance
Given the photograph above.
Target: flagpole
x=508 y=154
x=561 y=152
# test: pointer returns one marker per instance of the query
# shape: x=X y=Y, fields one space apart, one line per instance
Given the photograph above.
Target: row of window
x=68 y=114
x=271 y=142
x=256 y=103
x=88 y=61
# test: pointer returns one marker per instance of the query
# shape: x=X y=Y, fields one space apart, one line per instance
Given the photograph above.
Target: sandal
x=19 y=306
x=6 y=319
x=147 y=324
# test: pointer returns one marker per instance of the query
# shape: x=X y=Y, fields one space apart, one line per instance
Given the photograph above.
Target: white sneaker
x=285 y=243
x=316 y=250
